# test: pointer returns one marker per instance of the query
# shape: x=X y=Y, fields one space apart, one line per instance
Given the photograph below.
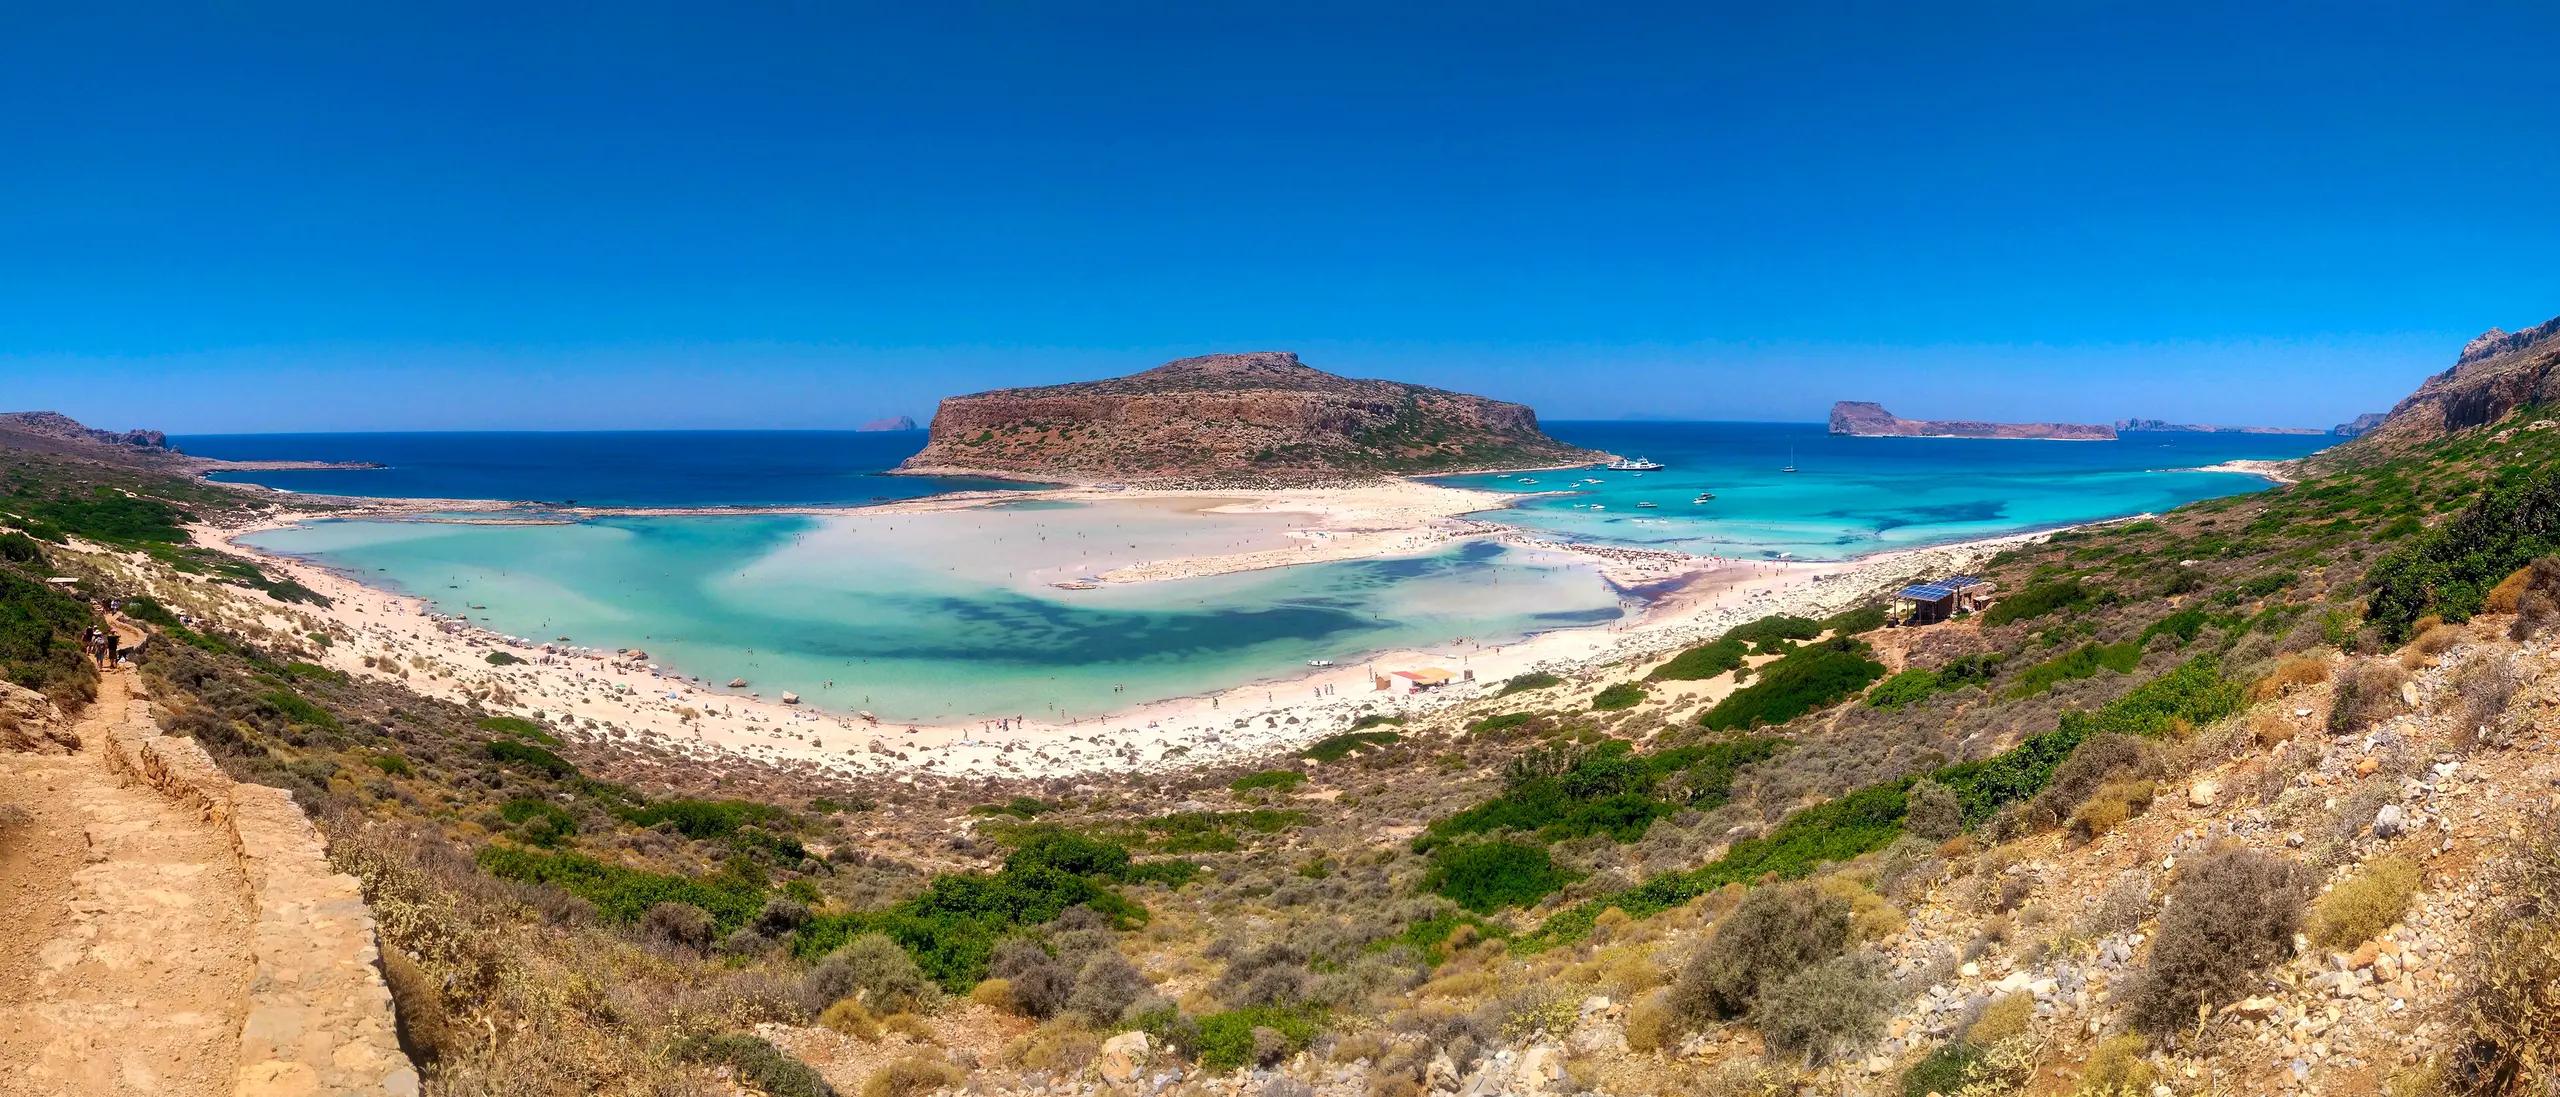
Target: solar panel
x=1926 y=592
x=1959 y=582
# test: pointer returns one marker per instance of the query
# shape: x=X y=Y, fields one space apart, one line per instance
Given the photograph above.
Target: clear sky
x=377 y=216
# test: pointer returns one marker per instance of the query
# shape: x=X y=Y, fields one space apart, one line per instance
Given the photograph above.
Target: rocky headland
x=1861 y=419
x=2497 y=373
x=1224 y=420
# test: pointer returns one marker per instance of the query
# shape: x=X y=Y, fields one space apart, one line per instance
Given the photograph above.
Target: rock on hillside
x=1229 y=419
x=1861 y=419
x=2497 y=373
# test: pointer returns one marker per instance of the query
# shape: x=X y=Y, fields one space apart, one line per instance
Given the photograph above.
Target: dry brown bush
x=2483 y=686
x=913 y=1076
x=2508 y=1011
x=2231 y=914
x=2298 y=671
x=2503 y=597
x=2366 y=693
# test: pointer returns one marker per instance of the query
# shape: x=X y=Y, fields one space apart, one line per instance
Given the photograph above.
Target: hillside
x=1860 y=419
x=1258 y=418
x=2250 y=797
x=2497 y=373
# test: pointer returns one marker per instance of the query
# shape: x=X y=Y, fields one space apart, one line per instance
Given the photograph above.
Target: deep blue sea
x=1849 y=496
x=596 y=468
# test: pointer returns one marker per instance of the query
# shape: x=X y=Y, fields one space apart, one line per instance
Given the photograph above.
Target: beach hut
x=1426 y=678
x=1935 y=601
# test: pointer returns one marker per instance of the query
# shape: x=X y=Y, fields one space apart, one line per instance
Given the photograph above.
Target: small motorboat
x=1526 y=480
x=1319 y=662
x=1647 y=505
x=1704 y=496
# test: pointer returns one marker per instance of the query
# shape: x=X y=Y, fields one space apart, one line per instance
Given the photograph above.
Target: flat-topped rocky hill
x=1231 y=419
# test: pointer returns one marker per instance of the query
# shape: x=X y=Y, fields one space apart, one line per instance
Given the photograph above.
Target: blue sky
x=385 y=216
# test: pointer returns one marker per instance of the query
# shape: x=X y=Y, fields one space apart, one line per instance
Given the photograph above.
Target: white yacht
x=1632 y=464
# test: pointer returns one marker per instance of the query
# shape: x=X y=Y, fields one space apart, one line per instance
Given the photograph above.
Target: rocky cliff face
x=60 y=427
x=2357 y=425
x=1233 y=419
x=2497 y=373
x=1861 y=419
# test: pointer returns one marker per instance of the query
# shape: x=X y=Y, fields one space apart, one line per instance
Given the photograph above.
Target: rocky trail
x=127 y=965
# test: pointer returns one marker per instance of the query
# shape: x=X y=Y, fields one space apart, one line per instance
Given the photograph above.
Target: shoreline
x=613 y=695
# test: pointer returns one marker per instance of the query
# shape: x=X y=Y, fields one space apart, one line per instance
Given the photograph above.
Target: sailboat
x=1791 y=460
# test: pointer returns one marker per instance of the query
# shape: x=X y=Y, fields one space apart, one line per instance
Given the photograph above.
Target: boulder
x=1122 y=1057
x=2203 y=792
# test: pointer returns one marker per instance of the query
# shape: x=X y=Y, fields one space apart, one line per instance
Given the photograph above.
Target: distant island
x=2162 y=426
x=894 y=422
x=1861 y=419
x=1260 y=418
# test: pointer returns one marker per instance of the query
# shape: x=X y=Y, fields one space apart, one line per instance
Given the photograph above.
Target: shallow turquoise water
x=938 y=629
x=1853 y=497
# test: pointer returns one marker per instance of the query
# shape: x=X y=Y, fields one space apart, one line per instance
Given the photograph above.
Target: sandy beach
x=624 y=696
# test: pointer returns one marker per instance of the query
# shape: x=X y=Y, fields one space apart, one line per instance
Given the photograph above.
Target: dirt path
x=125 y=962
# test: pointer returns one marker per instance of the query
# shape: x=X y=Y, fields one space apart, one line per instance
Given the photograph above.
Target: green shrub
x=707 y=818
x=1487 y=876
x=2449 y=570
x=539 y=822
x=1915 y=685
x=298 y=710
x=2039 y=599
x=1334 y=748
x=1560 y=794
x=520 y=728
x=1703 y=661
x=1500 y=722
x=951 y=930
x=40 y=634
x=1020 y=807
x=872 y=969
x=2367 y=904
x=1536 y=679
x=503 y=659
x=1281 y=780
x=2230 y=915
x=1225 y=1041
x=757 y=1063
x=1620 y=696
x=1851 y=622
x=624 y=894
x=2084 y=661
x=392 y=764
x=1942 y=1071
x=1805 y=679
x=529 y=756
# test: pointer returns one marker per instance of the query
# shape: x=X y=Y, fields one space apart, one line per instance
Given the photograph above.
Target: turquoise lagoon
x=951 y=616
x=954 y=614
